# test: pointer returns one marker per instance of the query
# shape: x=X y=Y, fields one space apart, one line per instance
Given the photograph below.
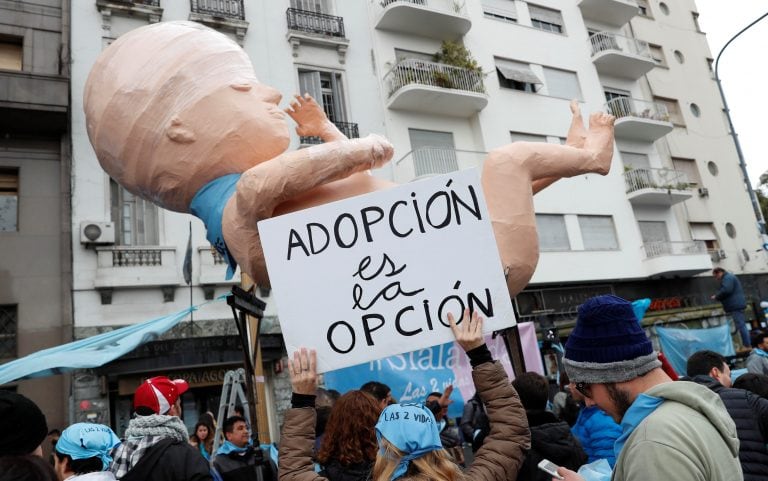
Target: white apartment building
x=673 y=206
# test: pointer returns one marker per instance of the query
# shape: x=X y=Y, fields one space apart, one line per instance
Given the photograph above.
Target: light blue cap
x=88 y=440
x=412 y=429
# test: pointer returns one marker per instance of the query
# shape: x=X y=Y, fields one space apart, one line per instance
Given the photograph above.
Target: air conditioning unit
x=703 y=192
x=96 y=233
x=721 y=254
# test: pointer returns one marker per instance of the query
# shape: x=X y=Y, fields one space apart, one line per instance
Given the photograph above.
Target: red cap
x=159 y=394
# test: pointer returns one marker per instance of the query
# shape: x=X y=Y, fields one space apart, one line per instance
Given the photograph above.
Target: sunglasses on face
x=584 y=388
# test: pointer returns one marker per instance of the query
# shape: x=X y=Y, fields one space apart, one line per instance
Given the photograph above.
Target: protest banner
x=412 y=376
x=376 y=275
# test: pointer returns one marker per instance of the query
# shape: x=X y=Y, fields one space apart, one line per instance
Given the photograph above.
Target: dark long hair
x=350 y=436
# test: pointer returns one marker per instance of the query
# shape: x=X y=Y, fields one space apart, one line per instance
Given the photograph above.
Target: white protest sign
x=376 y=275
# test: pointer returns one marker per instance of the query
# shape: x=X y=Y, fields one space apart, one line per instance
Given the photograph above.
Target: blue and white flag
x=679 y=344
x=91 y=352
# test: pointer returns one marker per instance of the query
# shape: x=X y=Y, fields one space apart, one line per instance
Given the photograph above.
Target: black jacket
x=334 y=471
x=170 y=460
x=550 y=439
x=245 y=466
x=750 y=413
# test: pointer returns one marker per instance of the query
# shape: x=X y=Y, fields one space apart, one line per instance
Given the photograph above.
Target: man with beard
x=670 y=430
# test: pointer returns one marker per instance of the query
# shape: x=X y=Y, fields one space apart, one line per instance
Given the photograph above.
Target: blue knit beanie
x=608 y=344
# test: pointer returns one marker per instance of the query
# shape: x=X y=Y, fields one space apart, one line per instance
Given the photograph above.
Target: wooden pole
x=259 y=391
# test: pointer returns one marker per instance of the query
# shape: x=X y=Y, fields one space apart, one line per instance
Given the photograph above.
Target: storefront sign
x=376 y=275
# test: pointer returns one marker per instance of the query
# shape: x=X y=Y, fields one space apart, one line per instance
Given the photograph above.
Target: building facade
x=35 y=220
x=673 y=206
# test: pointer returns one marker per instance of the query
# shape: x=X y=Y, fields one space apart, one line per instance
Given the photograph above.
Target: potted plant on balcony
x=456 y=55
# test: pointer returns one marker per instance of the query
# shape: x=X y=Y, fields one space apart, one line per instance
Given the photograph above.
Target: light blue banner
x=91 y=352
x=679 y=344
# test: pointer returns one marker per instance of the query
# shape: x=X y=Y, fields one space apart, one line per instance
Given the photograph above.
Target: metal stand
x=232 y=394
x=244 y=304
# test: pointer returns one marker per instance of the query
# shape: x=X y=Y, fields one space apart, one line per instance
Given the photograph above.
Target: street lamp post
x=742 y=163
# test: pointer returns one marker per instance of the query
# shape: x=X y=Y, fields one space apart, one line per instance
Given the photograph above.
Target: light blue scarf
x=228 y=447
x=412 y=429
x=643 y=406
x=208 y=206
x=760 y=352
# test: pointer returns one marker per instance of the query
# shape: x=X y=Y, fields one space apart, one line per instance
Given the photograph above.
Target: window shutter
x=433 y=152
x=522 y=137
x=517 y=71
x=553 y=235
x=309 y=82
x=503 y=7
x=562 y=83
x=598 y=232
x=703 y=232
x=545 y=14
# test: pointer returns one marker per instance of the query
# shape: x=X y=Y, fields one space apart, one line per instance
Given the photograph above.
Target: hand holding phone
x=550 y=468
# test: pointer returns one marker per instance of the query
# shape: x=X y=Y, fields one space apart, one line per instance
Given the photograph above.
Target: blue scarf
x=228 y=447
x=760 y=352
x=412 y=429
x=643 y=406
x=208 y=206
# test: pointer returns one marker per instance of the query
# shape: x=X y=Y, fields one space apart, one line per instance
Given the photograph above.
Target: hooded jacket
x=597 y=432
x=498 y=459
x=689 y=437
x=750 y=413
x=550 y=439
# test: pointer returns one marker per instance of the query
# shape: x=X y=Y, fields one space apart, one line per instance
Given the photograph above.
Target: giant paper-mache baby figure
x=176 y=116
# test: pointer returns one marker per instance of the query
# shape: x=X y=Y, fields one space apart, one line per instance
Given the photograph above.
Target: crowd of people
x=619 y=416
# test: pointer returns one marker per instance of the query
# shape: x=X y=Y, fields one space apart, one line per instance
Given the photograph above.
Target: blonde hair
x=433 y=466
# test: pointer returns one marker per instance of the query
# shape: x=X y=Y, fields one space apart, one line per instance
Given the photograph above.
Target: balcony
x=147 y=9
x=213 y=268
x=620 y=56
x=663 y=187
x=29 y=91
x=317 y=23
x=440 y=19
x=221 y=14
x=349 y=130
x=610 y=12
x=668 y=259
x=136 y=266
x=435 y=88
x=425 y=162
x=639 y=119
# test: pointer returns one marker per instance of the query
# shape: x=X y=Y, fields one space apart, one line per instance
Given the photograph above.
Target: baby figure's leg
x=509 y=175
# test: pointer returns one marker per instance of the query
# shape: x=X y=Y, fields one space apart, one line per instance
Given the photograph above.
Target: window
x=653 y=231
x=562 y=83
x=598 y=232
x=11 y=53
x=401 y=55
x=657 y=54
x=688 y=167
x=679 y=56
x=636 y=161
x=705 y=231
x=711 y=67
x=664 y=8
x=516 y=76
x=135 y=218
x=546 y=19
x=523 y=137
x=433 y=152
x=553 y=236
x=730 y=230
x=673 y=109
x=326 y=88
x=9 y=199
x=8 y=328
x=695 y=110
x=712 y=167
x=645 y=9
x=503 y=10
x=317 y=6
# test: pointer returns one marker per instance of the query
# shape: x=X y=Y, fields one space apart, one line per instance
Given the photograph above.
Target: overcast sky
x=743 y=71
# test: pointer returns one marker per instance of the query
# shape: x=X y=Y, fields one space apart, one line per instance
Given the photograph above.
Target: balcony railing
x=667 y=248
x=313 y=22
x=458 y=8
x=604 y=41
x=220 y=8
x=638 y=179
x=151 y=3
x=136 y=256
x=433 y=74
x=349 y=129
x=439 y=160
x=627 y=107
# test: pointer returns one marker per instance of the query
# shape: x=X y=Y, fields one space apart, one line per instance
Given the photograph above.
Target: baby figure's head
x=171 y=106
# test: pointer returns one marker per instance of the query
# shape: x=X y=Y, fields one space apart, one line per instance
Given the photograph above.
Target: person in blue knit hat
x=670 y=430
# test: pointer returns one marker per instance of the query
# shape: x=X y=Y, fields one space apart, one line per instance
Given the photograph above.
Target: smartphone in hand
x=550 y=468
